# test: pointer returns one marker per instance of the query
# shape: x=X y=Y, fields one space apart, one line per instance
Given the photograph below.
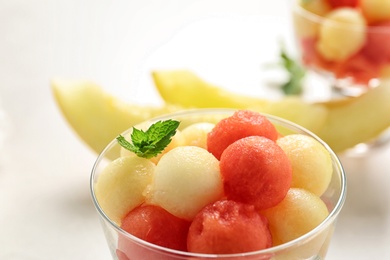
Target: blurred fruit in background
x=98 y=117
x=345 y=41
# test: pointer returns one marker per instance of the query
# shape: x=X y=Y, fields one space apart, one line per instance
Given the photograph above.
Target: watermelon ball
x=228 y=227
x=156 y=225
x=255 y=170
x=359 y=67
x=241 y=124
x=343 y=3
x=377 y=47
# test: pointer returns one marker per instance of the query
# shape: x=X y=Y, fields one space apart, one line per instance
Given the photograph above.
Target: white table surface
x=45 y=207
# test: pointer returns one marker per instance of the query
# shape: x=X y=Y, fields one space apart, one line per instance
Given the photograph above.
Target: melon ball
x=306 y=24
x=186 y=179
x=317 y=7
x=119 y=188
x=342 y=34
x=177 y=140
x=255 y=170
x=228 y=227
x=196 y=134
x=156 y=225
x=241 y=124
x=343 y=3
x=359 y=67
x=375 y=10
x=297 y=214
x=377 y=47
x=311 y=163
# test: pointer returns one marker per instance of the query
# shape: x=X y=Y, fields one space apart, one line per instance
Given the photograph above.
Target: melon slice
x=95 y=115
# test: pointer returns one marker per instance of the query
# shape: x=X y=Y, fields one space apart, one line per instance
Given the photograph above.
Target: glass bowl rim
x=272 y=250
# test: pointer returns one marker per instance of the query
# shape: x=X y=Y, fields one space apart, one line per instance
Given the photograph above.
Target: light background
x=45 y=207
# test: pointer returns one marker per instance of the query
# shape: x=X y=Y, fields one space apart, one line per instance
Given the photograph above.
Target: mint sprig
x=296 y=73
x=150 y=143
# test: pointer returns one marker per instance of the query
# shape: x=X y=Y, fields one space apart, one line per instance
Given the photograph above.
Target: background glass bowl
x=312 y=245
x=341 y=45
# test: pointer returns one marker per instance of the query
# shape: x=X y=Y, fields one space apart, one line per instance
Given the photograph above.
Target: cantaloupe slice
x=98 y=117
x=358 y=120
x=172 y=84
x=342 y=124
x=185 y=88
x=95 y=115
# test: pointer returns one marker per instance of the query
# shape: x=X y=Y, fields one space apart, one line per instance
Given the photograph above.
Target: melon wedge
x=342 y=124
x=310 y=116
x=358 y=120
x=185 y=88
x=96 y=116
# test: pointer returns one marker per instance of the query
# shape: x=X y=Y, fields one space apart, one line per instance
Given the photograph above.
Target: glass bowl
x=312 y=245
x=346 y=44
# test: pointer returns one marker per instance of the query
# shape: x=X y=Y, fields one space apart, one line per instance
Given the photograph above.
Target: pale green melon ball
x=311 y=162
x=186 y=179
x=342 y=34
x=298 y=213
x=119 y=188
x=196 y=134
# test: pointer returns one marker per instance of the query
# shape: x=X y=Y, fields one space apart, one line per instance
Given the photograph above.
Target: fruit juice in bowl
x=218 y=183
x=346 y=41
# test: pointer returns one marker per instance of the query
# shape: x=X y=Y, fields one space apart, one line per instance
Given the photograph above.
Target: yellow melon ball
x=196 y=134
x=177 y=140
x=375 y=10
x=300 y=212
x=317 y=7
x=311 y=162
x=186 y=179
x=307 y=16
x=342 y=34
x=119 y=188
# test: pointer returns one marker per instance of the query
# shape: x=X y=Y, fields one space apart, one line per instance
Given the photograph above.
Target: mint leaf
x=296 y=74
x=150 y=143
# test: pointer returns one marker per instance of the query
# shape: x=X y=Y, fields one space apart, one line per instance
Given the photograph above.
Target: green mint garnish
x=296 y=74
x=150 y=143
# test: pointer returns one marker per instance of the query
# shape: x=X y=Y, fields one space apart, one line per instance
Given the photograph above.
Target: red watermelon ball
x=228 y=227
x=377 y=47
x=343 y=3
x=255 y=170
x=241 y=124
x=155 y=225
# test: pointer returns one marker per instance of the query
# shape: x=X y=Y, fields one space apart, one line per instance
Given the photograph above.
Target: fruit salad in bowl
x=218 y=183
x=345 y=40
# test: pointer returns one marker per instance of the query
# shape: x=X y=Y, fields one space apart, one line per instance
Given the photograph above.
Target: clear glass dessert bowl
x=311 y=245
x=345 y=42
